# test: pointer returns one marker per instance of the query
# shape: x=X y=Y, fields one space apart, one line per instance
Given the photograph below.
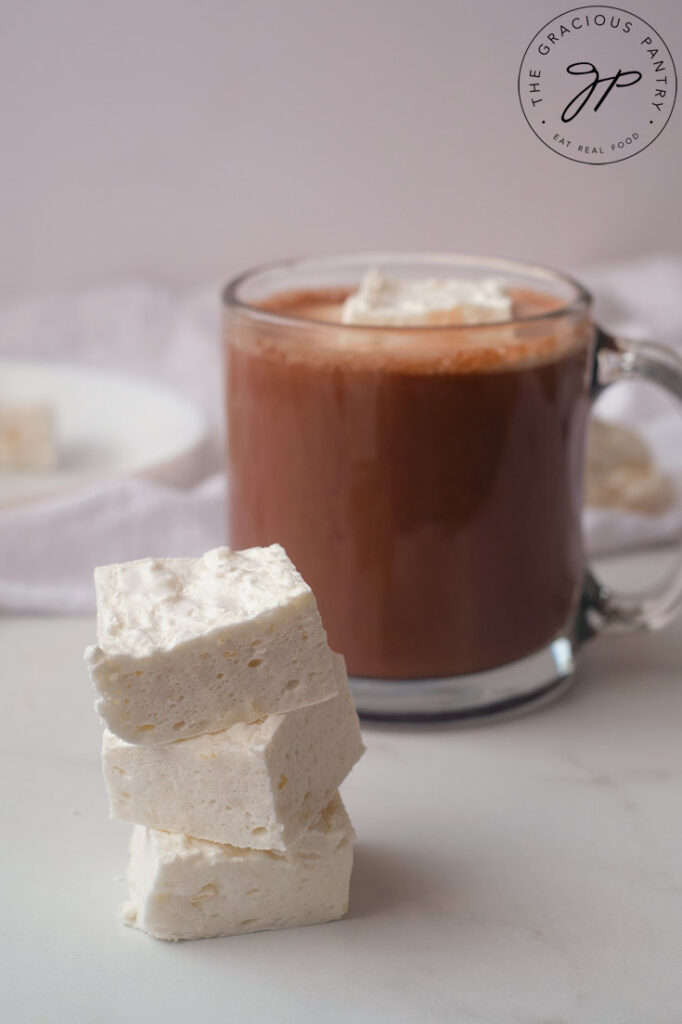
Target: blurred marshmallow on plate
x=27 y=436
x=104 y=425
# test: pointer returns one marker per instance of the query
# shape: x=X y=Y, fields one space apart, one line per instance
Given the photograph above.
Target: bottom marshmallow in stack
x=240 y=830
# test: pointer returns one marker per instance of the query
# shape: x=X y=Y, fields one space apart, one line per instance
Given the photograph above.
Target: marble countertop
x=527 y=872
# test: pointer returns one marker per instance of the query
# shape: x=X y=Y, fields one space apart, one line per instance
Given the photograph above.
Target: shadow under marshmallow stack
x=229 y=728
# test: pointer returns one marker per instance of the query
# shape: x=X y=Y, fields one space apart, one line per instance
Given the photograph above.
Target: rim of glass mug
x=579 y=301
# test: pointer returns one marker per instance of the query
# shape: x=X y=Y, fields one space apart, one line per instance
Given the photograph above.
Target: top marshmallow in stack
x=190 y=646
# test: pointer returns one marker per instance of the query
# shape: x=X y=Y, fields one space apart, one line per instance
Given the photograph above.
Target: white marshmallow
x=188 y=646
x=622 y=472
x=385 y=302
x=185 y=888
x=255 y=785
x=27 y=436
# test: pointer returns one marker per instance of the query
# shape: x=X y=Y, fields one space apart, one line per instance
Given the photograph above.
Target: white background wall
x=183 y=140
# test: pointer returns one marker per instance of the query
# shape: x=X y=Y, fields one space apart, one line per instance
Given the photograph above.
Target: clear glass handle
x=604 y=610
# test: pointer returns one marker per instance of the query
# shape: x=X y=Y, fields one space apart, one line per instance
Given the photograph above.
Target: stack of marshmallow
x=230 y=727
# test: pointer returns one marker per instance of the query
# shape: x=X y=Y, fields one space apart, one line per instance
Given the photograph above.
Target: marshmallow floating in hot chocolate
x=385 y=301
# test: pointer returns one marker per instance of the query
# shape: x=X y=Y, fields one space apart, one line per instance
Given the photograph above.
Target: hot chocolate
x=426 y=482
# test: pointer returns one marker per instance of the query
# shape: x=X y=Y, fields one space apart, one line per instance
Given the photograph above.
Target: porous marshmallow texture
x=190 y=646
x=256 y=785
x=186 y=888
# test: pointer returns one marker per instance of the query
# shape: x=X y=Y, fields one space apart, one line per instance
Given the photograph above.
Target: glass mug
x=427 y=481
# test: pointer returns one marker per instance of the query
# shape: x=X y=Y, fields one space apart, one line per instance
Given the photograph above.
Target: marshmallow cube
x=255 y=785
x=27 y=436
x=190 y=646
x=186 y=888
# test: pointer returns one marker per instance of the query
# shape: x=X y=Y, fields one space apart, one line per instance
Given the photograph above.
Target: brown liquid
x=426 y=483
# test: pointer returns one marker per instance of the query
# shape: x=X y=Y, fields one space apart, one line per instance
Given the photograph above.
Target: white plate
x=108 y=424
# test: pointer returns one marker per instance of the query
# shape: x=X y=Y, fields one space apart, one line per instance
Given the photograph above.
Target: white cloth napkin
x=48 y=549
